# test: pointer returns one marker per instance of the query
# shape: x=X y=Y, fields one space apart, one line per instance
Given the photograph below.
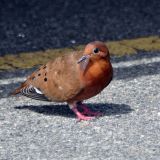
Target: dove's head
x=95 y=50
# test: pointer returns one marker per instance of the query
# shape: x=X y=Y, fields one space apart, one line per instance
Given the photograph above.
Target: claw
x=87 y=111
x=80 y=116
x=86 y=114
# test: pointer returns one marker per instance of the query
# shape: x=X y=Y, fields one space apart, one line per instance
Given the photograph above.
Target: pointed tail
x=18 y=90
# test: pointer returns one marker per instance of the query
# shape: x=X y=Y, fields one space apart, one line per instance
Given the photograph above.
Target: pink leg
x=79 y=115
x=87 y=111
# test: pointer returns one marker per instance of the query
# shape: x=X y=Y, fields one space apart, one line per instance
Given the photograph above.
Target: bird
x=71 y=78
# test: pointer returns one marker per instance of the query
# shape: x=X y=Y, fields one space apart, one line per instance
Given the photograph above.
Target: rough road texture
x=129 y=129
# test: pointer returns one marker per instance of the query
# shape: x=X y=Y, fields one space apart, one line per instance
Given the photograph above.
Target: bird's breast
x=97 y=76
x=97 y=73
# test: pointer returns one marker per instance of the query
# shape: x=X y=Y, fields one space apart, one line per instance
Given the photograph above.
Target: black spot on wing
x=45 y=79
x=44 y=67
x=31 y=92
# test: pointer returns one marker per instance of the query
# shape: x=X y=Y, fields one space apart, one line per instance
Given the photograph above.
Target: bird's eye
x=96 y=50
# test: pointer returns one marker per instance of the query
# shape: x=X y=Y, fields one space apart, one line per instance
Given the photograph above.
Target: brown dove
x=72 y=78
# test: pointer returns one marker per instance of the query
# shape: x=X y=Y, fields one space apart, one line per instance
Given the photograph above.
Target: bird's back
x=58 y=80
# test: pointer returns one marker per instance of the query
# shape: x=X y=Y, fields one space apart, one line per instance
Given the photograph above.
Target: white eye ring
x=95 y=50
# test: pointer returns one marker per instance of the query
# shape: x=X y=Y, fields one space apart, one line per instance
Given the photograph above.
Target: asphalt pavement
x=129 y=128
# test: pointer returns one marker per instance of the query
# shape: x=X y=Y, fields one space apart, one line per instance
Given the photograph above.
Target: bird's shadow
x=106 y=109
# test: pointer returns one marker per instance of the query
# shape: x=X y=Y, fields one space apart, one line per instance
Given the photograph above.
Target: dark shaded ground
x=37 y=25
x=63 y=110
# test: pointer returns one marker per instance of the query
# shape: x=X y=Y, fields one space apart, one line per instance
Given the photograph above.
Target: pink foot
x=81 y=116
x=87 y=111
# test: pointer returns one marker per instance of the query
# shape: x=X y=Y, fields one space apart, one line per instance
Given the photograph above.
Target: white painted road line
x=12 y=80
x=136 y=62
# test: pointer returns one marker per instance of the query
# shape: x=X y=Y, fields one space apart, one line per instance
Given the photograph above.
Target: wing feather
x=34 y=93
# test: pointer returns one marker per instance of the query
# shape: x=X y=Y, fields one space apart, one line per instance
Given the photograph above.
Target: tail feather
x=18 y=90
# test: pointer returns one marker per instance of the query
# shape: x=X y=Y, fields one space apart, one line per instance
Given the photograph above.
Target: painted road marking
x=118 y=48
x=12 y=80
x=136 y=62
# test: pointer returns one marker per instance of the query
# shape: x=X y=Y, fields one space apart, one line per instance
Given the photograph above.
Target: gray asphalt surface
x=129 y=129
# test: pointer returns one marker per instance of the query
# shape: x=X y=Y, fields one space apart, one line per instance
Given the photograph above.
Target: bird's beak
x=83 y=58
x=83 y=62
